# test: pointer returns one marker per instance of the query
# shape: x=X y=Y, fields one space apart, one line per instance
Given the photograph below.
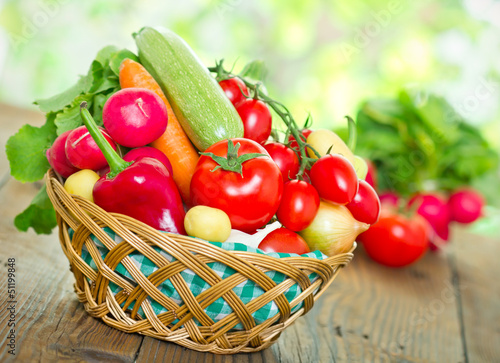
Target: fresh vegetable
x=299 y=205
x=57 y=158
x=304 y=133
x=239 y=177
x=328 y=142
x=83 y=152
x=143 y=189
x=285 y=241
x=333 y=230
x=371 y=175
x=235 y=89
x=135 y=117
x=465 y=206
x=389 y=198
x=416 y=138
x=365 y=206
x=434 y=209
x=285 y=158
x=334 y=178
x=150 y=152
x=202 y=108
x=361 y=167
x=257 y=120
x=211 y=224
x=82 y=183
x=174 y=142
x=396 y=240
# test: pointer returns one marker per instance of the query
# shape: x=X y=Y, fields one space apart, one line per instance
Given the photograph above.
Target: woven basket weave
x=178 y=324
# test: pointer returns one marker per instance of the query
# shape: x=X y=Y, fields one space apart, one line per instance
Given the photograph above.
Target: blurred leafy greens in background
x=418 y=141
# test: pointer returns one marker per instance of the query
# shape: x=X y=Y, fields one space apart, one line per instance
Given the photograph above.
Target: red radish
x=371 y=176
x=465 y=206
x=151 y=152
x=435 y=210
x=365 y=207
x=389 y=198
x=83 y=152
x=56 y=156
x=135 y=117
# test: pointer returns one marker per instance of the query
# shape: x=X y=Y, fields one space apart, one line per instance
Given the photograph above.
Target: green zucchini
x=202 y=108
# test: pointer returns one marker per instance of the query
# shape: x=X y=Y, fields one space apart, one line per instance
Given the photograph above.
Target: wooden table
x=445 y=308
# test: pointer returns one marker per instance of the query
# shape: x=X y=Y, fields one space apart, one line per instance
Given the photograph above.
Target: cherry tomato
x=285 y=241
x=371 y=176
x=233 y=88
x=257 y=120
x=293 y=143
x=285 y=158
x=395 y=240
x=334 y=178
x=251 y=198
x=299 y=205
x=365 y=207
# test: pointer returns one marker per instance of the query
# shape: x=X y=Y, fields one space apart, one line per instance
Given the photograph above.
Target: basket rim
x=51 y=176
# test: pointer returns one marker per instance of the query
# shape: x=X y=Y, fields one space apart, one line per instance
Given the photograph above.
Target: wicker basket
x=177 y=325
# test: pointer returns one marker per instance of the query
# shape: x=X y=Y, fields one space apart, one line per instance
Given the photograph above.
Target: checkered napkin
x=247 y=290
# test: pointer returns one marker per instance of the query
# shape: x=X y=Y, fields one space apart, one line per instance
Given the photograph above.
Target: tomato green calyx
x=353 y=133
x=232 y=162
x=116 y=163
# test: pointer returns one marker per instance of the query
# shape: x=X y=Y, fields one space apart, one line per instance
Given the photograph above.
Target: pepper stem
x=116 y=163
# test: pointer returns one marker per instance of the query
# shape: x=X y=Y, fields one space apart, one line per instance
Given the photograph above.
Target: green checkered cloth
x=247 y=290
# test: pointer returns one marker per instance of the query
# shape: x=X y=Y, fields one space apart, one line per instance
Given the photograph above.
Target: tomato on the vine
x=334 y=178
x=257 y=119
x=285 y=158
x=299 y=205
x=395 y=240
x=235 y=89
x=365 y=206
x=238 y=177
x=293 y=142
x=285 y=241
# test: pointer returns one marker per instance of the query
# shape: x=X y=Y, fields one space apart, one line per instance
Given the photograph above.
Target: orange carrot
x=174 y=142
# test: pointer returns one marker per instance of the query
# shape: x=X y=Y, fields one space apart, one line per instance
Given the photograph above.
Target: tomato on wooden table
x=235 y=89
x=285 y=241
x=396 y=240
x=285 y=158
x=239 y=177
x=299 y=205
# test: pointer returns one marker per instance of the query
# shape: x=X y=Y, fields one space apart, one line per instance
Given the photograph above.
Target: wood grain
x=478 y=271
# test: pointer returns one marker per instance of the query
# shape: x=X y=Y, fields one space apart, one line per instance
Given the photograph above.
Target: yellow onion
x=333 y=230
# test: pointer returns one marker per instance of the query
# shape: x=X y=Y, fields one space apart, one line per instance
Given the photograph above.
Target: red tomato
x=285 y=158
x=251 y=198
x=285 y=241
x=365 y=207
x=334 y=178
x=299 y=205
x=257 y=120
x=371 y=176
x=233 y=88
x=293 y=143
x=395 y=240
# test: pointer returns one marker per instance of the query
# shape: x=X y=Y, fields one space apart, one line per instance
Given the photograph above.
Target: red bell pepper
x=143 y=189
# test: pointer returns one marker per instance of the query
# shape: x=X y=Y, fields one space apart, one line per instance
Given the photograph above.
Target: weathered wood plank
x=51 y=325
x=478 y=270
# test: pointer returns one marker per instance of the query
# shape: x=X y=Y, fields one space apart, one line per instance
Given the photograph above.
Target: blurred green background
x=323 y=56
